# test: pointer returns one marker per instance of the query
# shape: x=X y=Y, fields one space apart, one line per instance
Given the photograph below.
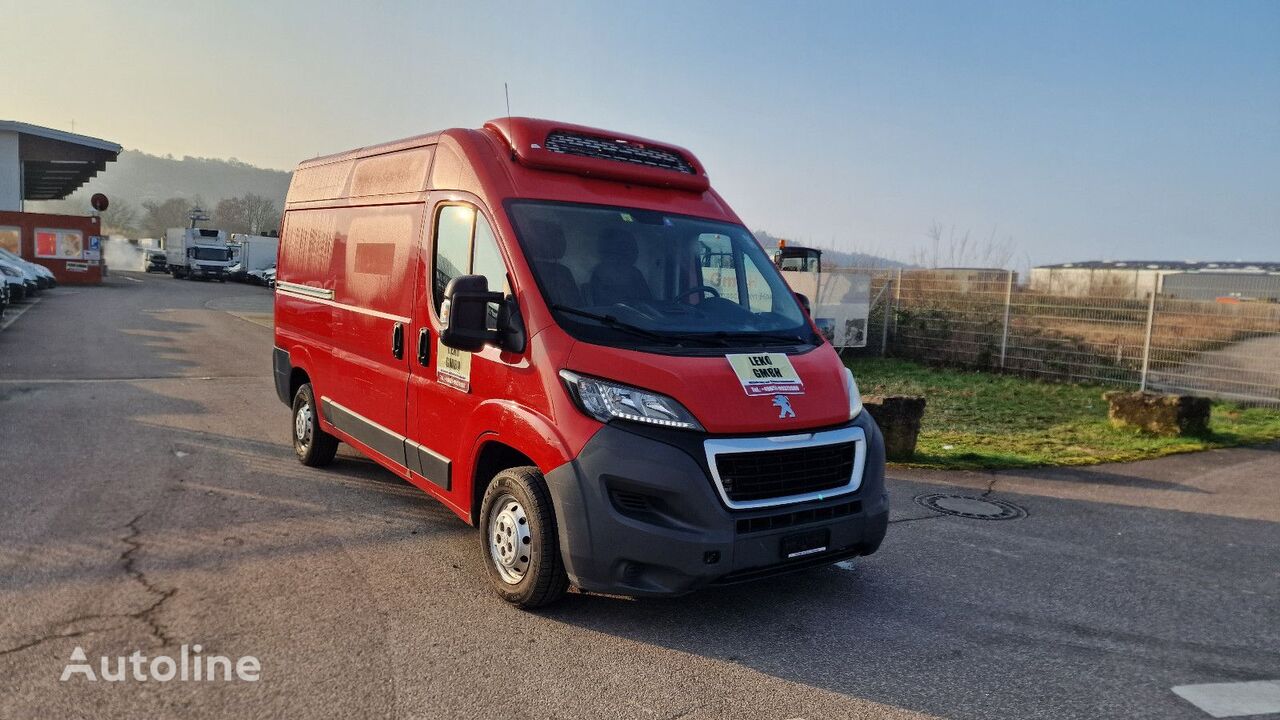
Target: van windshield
x=640 y=278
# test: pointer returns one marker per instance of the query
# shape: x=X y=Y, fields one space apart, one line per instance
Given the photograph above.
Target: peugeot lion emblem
x=784 y=406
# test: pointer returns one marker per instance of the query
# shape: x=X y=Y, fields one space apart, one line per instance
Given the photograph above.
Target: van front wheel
x=519 y=540
x=314 y=446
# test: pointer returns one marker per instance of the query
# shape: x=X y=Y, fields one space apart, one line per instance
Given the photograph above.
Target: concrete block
x=1168 y=415
x=899 y=418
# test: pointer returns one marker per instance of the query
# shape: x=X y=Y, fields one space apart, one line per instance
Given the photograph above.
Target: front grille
x=766 y=474
x=621 y=151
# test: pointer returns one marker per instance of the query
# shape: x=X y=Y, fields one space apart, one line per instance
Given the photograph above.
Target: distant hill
x=835 y=258
x=138 y=177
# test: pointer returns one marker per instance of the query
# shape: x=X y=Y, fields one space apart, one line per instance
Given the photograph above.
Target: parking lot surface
x=151 y=499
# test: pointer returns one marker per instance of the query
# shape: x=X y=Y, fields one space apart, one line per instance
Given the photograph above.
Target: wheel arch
x=492 y=457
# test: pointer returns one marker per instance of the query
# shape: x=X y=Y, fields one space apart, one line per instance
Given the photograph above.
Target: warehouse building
x=1245 y=281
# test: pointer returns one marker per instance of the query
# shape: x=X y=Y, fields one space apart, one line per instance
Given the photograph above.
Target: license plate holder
x=803 y=544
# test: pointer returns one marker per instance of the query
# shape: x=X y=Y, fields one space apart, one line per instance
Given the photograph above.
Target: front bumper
x=638 y=514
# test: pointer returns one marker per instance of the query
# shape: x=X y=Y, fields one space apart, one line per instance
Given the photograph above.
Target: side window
x=465 y=245
x=486 y=260
x=759 y=296
x=718 y=265
x=453 y=247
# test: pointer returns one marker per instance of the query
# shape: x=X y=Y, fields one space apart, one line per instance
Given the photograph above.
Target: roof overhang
x=56 y=163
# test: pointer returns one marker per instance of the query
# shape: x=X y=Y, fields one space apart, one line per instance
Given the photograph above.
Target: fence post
x=884 y=326
x=897 y=300
x=1004 y=337
x=1146 y=344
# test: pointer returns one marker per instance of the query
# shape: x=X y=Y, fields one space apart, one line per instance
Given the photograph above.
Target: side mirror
x=804 y=303
x=465 y=311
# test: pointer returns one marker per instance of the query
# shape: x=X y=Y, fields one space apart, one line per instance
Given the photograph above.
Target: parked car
x=15 y=280
x=566 y=336
x=38 y=276
x=156 y=261
x=265 y=276
x=4 y=298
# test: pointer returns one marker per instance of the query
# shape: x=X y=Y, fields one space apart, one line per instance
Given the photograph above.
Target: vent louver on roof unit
x=567 y=143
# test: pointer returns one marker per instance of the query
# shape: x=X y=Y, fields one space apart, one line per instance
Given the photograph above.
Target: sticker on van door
x=453 y=367
x=766 y=374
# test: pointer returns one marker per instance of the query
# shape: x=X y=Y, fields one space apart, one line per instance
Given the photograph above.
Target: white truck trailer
x=197 y=253
x=253 y=255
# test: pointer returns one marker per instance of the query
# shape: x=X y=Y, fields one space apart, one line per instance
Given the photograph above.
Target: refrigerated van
x=569 y=339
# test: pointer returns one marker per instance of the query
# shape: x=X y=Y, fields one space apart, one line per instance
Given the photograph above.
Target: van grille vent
x=586 y=146
x=779 y=473
x=798 y=517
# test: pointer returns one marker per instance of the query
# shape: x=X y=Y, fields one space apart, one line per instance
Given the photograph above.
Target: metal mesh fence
x=1199 y=335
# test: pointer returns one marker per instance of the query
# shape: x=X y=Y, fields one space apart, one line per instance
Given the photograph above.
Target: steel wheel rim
x=510 y=539
x=302 y=424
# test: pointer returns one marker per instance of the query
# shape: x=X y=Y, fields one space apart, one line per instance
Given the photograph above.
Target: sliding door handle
x=397 y=341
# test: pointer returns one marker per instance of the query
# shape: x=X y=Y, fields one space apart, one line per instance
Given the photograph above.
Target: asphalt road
x=149 y=499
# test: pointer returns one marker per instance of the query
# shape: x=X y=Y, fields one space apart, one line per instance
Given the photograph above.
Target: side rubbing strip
x=305 y=290
x=428 y=464
x=366 y=431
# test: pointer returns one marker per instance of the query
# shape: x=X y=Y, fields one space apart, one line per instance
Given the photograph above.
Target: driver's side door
x=446 y=385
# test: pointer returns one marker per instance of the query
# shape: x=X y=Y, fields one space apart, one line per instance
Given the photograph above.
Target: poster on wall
x=59 y=244
x=46 y=243
x=11 y=239
x=94 y=251
x=70 y=244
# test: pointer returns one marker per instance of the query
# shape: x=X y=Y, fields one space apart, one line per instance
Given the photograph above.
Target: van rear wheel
x=519 y=540
x=314 y=446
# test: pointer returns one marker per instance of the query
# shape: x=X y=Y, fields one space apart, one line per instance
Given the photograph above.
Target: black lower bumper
x=639 y=516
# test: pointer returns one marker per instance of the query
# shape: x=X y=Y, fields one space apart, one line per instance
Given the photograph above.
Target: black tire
x=542 y=580
x=314 y=446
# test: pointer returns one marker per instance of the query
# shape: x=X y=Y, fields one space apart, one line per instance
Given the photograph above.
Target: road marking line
x=131 y=279
x=19 y=313
x=1233 y=699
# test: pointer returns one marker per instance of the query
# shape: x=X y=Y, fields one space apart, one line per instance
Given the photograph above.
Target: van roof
x=514 y=157
x=371 y=150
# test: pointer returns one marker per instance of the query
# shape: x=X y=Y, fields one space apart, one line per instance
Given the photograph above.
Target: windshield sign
x=628 y=277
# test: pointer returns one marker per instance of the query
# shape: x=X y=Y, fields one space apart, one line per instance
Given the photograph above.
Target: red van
x=568 y=338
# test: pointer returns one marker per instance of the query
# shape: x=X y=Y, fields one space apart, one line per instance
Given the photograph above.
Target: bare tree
x=248 y=213
x=949 y=248
x=261 y=213
x=120 y=218
x=160 y=216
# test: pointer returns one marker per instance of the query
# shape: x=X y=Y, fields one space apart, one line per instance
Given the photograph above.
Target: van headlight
x=605 y=400
x=855 y=397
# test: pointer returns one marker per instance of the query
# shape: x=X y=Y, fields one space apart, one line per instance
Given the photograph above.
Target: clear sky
x=1080 y=130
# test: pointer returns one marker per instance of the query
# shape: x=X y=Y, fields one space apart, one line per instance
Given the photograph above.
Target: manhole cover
x=971 y=507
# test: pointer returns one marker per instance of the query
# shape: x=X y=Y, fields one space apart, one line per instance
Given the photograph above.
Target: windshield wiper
x=751 y=335
x=616 y=324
